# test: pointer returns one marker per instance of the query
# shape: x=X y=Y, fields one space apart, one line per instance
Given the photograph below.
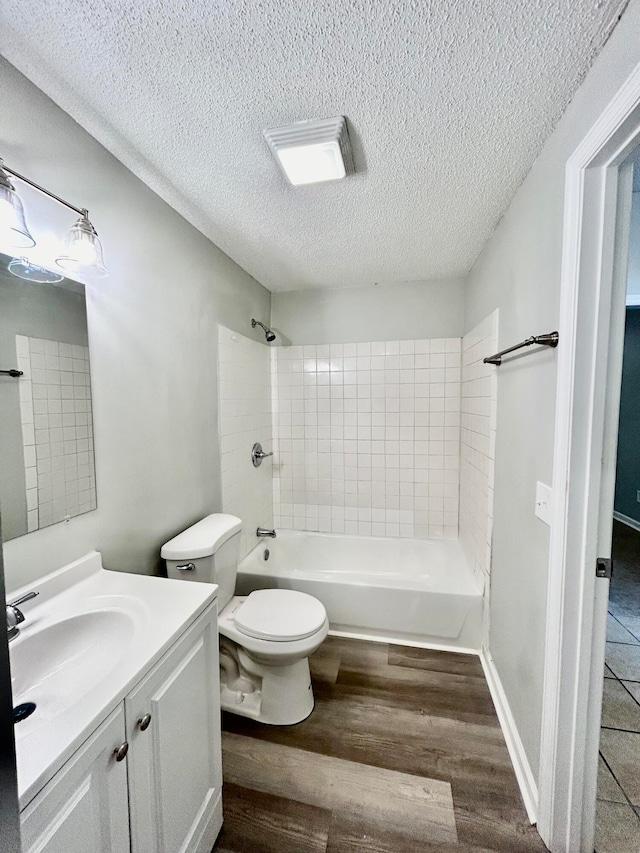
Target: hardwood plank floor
x=403 y=752
x=383 y=798
x=263 y=823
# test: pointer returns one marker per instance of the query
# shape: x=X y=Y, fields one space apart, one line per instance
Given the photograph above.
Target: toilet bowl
x=265 y=638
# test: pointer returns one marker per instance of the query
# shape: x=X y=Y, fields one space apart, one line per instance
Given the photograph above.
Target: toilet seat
x=280 y=615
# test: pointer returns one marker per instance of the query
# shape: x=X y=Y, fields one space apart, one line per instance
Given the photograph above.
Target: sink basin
x=60 y=663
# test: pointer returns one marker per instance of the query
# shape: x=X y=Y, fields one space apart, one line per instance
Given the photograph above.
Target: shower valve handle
x=258 y=454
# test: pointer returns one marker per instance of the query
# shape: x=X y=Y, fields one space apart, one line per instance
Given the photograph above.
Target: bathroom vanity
x=123 y=749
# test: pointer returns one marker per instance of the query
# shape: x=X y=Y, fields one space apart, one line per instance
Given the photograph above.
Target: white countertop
x=87 y=639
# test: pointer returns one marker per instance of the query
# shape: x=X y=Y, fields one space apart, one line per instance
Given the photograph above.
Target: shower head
x=269 y=335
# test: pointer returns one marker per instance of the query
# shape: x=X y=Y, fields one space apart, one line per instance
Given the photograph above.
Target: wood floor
x=402 y=753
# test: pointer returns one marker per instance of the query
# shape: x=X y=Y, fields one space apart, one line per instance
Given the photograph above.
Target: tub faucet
x=14 y=616
x=263 y=531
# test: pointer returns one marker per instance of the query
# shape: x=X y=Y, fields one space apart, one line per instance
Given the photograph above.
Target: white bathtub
x=412 y=591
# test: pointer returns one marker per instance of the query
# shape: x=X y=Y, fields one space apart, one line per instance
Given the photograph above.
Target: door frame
x=573 y=662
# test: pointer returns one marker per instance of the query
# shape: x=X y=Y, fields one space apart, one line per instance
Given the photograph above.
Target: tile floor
x=402 y=754
x=618 y=809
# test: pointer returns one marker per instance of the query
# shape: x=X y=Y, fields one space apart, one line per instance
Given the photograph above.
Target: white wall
x=245 y=418
x=393 y=312
x=367 y=437
x=519 y=273
x=152 y=337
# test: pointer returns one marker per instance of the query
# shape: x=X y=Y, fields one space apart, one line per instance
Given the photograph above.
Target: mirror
x=47 y=472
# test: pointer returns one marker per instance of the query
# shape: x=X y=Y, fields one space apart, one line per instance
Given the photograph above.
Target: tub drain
x=21 y=712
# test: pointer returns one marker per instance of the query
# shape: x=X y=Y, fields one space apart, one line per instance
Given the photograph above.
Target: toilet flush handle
x=186 y=567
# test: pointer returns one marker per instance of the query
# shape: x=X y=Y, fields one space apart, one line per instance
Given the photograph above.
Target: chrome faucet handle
x=26 y=597
x=258 y=454
x=15 y=616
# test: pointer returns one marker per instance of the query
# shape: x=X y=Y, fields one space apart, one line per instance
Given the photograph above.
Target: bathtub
x=410 y=591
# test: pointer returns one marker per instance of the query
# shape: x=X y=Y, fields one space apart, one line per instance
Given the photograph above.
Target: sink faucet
x=14 y=616
x=263 y=531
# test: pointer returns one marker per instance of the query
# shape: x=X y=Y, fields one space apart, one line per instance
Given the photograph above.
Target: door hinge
x=604 y=567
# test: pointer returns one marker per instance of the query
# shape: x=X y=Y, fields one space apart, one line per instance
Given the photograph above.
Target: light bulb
x=84 y=249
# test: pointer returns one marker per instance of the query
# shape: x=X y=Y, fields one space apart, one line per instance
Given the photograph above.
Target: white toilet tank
x=207 y=552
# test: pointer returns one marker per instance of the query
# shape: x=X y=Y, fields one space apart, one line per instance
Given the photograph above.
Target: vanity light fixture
x=310 y=152
x=12 y=221
x=23 y=268
x=83 y=246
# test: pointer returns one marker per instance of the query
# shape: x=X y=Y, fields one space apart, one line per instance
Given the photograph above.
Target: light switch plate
x=543 y=503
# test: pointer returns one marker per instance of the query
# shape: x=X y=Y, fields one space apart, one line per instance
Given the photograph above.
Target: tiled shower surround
x=477 y=445
x=245 y=417
x=57 y=430
x=367 y=437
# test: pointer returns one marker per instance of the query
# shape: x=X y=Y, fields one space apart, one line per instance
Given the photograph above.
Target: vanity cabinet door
x=84 y=807
x=174 y=763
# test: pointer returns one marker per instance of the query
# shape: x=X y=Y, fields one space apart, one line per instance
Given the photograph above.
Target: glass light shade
x=311 y=164
x=84 y=250
x=13 y=227
x=23 y=268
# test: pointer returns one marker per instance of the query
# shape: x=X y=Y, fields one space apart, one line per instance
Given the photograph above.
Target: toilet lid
x=280 y=614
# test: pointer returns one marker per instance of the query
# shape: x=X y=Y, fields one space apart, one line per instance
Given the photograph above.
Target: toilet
x=265 y=638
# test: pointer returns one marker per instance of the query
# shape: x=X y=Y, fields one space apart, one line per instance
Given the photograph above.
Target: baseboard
x=625 y=519
x=526 y=780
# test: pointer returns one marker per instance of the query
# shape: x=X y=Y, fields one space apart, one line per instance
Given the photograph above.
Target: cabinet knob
x=121 y=751
x=143 y=722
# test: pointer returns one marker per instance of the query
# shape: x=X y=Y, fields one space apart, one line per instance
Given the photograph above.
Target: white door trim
x=585 y=316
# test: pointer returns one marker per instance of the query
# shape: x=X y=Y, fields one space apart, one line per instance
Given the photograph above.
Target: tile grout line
x=618 y=729
x=614 y=677
x=634 y=808
x=622 y=682
x=612 y=728
x=628 y=799
x=613 y=615
x=628 y=731
x=629 y=692
x=625 y=688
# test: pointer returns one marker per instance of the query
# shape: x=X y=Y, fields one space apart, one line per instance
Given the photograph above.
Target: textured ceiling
x=448 y=105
